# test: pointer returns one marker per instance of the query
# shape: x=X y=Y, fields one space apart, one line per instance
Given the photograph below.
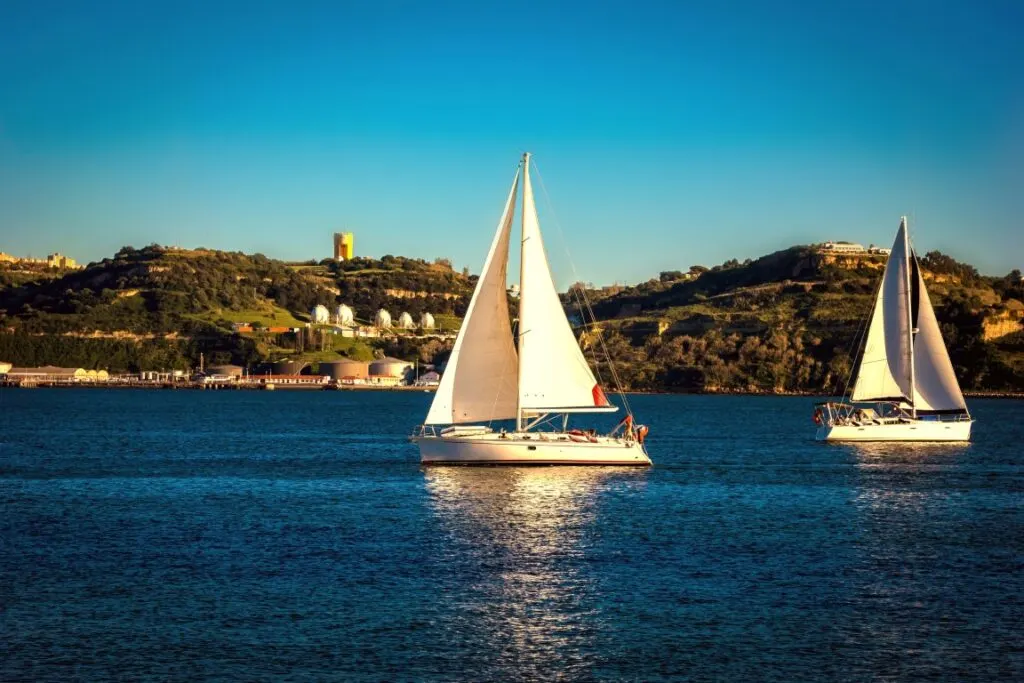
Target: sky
x=666 y=134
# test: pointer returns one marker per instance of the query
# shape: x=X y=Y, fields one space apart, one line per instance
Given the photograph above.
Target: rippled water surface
x=286 y=536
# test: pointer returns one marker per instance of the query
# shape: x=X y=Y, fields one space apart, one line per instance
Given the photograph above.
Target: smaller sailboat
x=905 y=388
x=538 y=382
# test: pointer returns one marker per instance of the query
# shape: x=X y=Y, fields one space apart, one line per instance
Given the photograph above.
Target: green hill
x=789 y=321
x=792 y=320
x=162 y=307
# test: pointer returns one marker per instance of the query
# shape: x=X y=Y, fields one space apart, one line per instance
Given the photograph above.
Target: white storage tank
x=383 y=319
x=405 y=321
x=427 y=321
x=320 y=314
x=344 y=315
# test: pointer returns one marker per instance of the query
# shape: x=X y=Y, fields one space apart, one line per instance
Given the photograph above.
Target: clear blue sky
x=667 y=133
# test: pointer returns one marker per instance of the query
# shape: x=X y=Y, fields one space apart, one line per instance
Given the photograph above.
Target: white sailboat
x=488 y=378
x=905 y=388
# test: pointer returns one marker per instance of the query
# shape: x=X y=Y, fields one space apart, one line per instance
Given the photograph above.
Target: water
x=294 y=536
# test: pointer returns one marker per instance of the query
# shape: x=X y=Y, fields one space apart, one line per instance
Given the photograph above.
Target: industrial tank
x=405 y=321
x=383 y=319
x=340 y=369
x=289 y=367
x=320 y=314
x=427 y=321
x=228 y=370
x=344 y=315
x=390 y=367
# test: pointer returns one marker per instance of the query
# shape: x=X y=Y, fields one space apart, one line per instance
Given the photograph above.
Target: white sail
x=479 y=383
x=874 y=377
x=553 y=374
x=935 y=385
x=885 y=369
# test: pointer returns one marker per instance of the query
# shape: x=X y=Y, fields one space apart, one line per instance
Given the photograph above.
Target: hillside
x=162 y=306
x=791 y=321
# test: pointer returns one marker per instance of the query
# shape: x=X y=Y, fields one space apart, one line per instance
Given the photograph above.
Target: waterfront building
x=429 y=379
x=293 y=379
x=5 y=367
x=52 y=373
x=344 y=246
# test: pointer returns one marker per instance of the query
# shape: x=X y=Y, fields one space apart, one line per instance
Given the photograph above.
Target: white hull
x=908 y=430
x=551 y=449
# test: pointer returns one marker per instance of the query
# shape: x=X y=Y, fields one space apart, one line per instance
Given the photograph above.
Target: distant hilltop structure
x=344 y=246
x=54 y=260
x=851 y=248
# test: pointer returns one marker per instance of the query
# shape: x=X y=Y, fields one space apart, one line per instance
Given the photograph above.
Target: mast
x=910 y=314
x=522 y=262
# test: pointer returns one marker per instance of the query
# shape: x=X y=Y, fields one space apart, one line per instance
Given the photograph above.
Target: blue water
x=240 y=536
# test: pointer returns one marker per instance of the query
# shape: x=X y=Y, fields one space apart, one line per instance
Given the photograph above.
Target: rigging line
x=586 y=299
x=584 y=326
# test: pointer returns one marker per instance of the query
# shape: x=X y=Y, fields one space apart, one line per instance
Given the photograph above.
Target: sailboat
x=905 y=389
x=489 y=377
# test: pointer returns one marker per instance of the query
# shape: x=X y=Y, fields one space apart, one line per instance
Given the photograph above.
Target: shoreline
x=220 y=386
x=194 y=386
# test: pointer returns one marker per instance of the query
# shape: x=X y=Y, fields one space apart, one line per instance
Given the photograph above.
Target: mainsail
x=486 y=379
x=886 y=366
x=479 y=383
x=904 y=357
x=553 y=374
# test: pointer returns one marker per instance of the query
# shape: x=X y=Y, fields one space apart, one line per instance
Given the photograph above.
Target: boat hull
x=909 y=430
x=495 y=450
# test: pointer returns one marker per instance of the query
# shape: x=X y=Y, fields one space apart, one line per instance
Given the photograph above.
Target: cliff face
x=1003 y=323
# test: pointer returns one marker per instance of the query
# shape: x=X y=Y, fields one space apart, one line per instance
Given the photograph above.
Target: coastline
x=253 y=386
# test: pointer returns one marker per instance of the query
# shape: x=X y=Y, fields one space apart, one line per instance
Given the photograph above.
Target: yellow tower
x=344 y=246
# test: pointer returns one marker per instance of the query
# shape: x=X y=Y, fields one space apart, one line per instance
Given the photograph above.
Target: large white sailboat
x=905 y=389
x=538 y=384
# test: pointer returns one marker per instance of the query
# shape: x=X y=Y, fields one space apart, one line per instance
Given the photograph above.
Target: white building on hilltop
x=843 y=247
